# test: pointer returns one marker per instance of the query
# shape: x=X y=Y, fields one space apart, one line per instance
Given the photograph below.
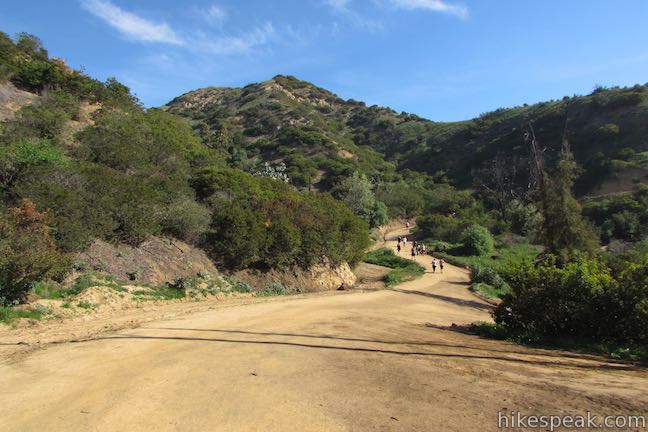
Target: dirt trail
x=384 y=360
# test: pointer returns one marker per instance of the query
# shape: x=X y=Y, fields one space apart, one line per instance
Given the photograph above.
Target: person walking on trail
x=441 y=263
x=398 y=248
x=434 y=265
x=404 y=241
x=413 y=252
x=399 y=239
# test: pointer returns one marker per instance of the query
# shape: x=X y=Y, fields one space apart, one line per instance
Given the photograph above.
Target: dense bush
x=130 y=178
x=186 y=220
x=25 y=154
x=480 y=273
x=477 y=240
x=27 y=254
x=523 y=219
x=262 y=222
x=356 y=192
x=623 y=216
x=440 y=227
x=401 y=199
x=582 y=300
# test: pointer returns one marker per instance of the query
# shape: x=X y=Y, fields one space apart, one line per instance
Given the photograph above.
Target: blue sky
x=441 y=59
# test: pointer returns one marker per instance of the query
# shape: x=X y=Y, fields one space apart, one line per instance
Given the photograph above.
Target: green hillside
x=283 y=119
x=322 y=137
x=86 y=161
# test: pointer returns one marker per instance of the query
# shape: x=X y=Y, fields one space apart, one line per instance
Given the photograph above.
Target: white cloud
x=215 y=14
x=341 y=7
x=338 y=5
x=432 y=5
x=235 y=44
x=131 y=25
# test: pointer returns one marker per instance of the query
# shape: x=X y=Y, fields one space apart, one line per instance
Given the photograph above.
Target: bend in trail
x=382 y=360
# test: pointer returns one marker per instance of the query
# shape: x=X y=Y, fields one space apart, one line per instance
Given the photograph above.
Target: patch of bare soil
x=154 y=262
x=322 y=277
x=370 y=276
x=12 y=99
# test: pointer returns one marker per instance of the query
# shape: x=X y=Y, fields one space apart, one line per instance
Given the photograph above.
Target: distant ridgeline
x=323 y=138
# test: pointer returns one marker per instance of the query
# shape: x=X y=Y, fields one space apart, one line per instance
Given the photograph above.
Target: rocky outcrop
x=322 y=277
x=12 y=99
x=154 y=262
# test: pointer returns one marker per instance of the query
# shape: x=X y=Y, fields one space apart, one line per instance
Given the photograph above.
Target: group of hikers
x=419 y=249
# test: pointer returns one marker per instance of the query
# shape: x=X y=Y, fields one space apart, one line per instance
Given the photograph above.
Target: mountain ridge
x=601 y=126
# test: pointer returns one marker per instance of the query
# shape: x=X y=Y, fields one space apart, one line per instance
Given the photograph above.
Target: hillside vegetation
x=129 y=173
x=323 y=138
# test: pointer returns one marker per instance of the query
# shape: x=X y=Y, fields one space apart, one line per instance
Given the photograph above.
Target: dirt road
x=385 y=360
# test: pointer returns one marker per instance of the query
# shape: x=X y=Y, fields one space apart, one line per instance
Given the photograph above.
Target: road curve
x=385 y=360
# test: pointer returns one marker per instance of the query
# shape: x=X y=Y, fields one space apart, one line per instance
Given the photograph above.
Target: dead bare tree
x=499 y=182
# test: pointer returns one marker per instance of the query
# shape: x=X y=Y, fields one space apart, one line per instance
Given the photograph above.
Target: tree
x=32 y=45
x=357 y=194
x=499 y=182
x=401 y=199
x=564 y=231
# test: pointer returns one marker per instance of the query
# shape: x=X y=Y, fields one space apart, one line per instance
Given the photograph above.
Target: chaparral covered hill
x=323 y=138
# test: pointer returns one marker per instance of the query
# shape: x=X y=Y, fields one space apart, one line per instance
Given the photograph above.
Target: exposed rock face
x=322 y=277
x=154 y=262
x=12 y=99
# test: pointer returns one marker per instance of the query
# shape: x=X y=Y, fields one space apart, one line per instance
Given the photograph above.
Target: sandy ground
x=386 y=360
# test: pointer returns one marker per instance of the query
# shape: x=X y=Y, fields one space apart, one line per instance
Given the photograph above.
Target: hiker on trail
x=398 y=248
x=404 y=241
x=441 y=263
x=434 y=265
x=399 y=240
x=413 y=252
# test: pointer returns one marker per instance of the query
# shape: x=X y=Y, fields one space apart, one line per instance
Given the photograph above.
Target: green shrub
x=186 y=219
x=580 y=300
x=486 y=274
x=403 y=269
x=238 y=285
x=27 y=253
x=9 y=314
x=22 y=155
x=262 y=223
x=84 y=304
x=276 y=288
x=182 y=284
x=477 y=240
x=439 y=246
x=440 y=227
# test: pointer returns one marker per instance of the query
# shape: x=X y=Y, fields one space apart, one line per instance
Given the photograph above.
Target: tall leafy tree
x=356 y=192
x=564 y=231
